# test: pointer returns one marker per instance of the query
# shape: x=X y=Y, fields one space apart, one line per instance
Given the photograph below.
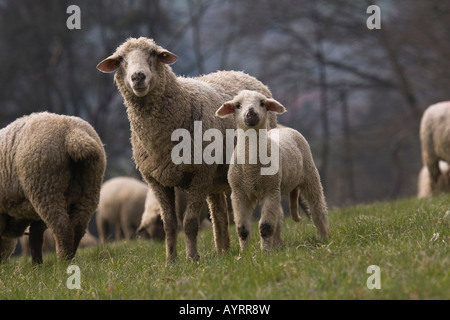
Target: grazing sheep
x=292 y=172
x=51 y=170
x=158 y=103
x=151 y=221
x=122 y=202
x=88 y=240
x=424 y=184
x=435 y=140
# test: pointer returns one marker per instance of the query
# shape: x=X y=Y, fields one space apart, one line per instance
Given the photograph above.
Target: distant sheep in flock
x=158 y=103
x=424 y=181
x=49 y=244
x=435 y=140
x=122 y=203
x=51 y=170
x=294 y=171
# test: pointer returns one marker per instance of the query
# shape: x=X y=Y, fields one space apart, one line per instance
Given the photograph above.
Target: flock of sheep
x=52 y=166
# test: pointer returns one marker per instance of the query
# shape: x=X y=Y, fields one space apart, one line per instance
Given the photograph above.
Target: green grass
x=407 y=239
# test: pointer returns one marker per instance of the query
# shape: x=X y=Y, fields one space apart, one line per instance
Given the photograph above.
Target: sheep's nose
x=251 y=112
x=138 y=77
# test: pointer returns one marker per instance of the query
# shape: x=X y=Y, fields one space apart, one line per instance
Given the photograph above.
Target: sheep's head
x=137 y=62
x=250 y=109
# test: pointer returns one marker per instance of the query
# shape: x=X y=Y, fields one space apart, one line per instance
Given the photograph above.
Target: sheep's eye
x=120 y=58
x=261 y=104
x=238 y=105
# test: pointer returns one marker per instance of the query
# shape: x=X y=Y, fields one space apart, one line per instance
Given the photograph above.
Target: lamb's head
x=250 y=109
x=137 y=62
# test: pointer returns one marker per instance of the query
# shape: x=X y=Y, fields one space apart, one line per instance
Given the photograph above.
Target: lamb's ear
x=167 y=57
x=226 y=109
x=274 y=106
x=109 y=65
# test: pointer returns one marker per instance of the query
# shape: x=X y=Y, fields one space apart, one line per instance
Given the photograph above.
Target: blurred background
x=356 y=94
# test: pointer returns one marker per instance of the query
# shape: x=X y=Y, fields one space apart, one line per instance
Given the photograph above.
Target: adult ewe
x=51 y=170
x=290 y=171
x=158 y=103
x=435 y=140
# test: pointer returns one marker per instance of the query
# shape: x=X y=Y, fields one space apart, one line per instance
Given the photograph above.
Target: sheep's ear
x=109 y=65
x=274 y=106
x=167 y=57
x=226 y=109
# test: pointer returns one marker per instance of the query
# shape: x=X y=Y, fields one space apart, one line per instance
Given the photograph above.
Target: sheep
x=158 y=102
x=88 y=240
x=435 y=139
x=292 y=173
x=51 y=170
x=121 y=203
x=424 y=185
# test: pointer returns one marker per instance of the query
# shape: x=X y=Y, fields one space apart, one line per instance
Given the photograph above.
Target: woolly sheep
x=51 y=170
x=151 y=219
x=88 y=240
x=435 y=139
x=424 y=184
x=296 y=172
x=121 y=204
x=158 y=102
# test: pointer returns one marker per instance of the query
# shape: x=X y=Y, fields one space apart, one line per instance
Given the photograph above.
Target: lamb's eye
x=120 y=58
x=261 y=104
x=238 y=105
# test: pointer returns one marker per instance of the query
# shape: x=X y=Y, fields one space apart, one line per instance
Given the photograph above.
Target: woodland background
x=356 y=94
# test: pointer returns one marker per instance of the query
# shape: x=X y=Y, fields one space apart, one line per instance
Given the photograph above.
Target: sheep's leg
x=80 y=214
x=36 y=239
x=7 y=246
x=127 y=228
x=103 y=228
x=118 y=231
x=312 y=190
x=219 y=215
x=270 y=224
x=243 y=210
x=293 y=204
x=191 y=223
x=166 y=199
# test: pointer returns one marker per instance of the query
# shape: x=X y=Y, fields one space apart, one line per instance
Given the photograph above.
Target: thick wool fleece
x=51 y=170
x=172 y=103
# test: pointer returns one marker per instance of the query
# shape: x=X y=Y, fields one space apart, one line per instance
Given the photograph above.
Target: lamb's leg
x=270 y=224
x=80 y=214
x=219 y=215
x=243 y=210
x=103 y=228
x=166 y=199
x=293 y=204
x=36 y=239
x=312 y=190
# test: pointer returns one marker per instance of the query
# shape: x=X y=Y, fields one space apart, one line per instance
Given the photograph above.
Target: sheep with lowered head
x=121 y=204
x=291 y=171
x=435 y=140
x=51 y=170
x=158 y=103
x=424 y=184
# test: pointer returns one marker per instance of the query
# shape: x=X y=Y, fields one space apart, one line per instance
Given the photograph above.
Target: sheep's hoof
x=194 y=258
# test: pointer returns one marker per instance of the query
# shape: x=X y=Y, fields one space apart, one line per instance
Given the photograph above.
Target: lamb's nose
x=251 y=112
x=138 y=77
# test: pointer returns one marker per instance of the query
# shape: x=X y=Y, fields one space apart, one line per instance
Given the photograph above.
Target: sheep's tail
x=81 y=146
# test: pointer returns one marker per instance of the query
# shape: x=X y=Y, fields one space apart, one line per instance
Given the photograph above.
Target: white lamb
x=251 y=183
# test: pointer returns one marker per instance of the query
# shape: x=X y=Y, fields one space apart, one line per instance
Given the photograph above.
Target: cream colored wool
x=424 y=181
x=51 y=170
x=296 y=174
x=157 y=105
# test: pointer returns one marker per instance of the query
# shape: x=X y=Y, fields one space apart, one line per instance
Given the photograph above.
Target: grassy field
x=408 y=240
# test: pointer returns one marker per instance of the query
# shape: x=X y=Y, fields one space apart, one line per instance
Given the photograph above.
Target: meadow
x=407 y=239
